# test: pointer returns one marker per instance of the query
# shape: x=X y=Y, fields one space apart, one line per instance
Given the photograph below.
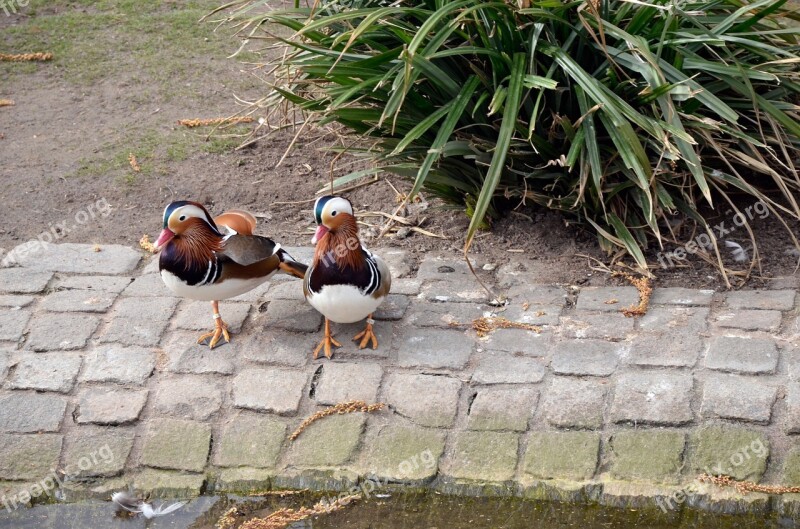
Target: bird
x=345 y=282
x=132 y=504
x=212 y=259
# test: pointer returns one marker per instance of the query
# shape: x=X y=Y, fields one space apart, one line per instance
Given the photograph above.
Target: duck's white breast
x=343 y=303
x=230 y=288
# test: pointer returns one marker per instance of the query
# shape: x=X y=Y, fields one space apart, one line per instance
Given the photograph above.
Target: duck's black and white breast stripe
x=367 y=279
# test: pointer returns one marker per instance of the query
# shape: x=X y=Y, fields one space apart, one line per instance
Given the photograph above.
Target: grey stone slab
x=292 y=290
x=427 y=400
x=46 y=372
x=176 y=444
x=78 y=258
x=602 y=325
x=5 y=363
x=681 y=296
x=445 y=315
x=434 y=348
x=406 y=286
x=562 y=455
x=78 y=301
x=115 y=363
x=398 y=261
x=198 y=316
x=738 y=397
x=29 y=457
x=793 y=407
x=99 y=405
x=304 y=254
x=575 y=403
x=607 y=298
x=188 y=397
x=538 y=295
x=344 y=332
x=23 y=281
x=252 y=441
x=15 y=302
x=482 y=457
x=290 y=315
x=12 y=324
x=503 y=368
x=675 y=320
x=502 y=409
x=28 y=412
x=666 y=349
x=281 y=348
x=342 y=382
x=656 y=398
x=586 y=357
x=454 y=290
x=331 y=443
x=728 y=450
x=402 y=453
x=148 y=285
x=518 y=341
x=742 y=355
x=51 y=332
x=110 y=284
x=761 y=299
x=393 y=308
x=533 y=314
x=187 y=356
x=93 y=451
x=140 y=321
x=443 y=269
x=269 y=389
x=259 y=293
x=750 y=320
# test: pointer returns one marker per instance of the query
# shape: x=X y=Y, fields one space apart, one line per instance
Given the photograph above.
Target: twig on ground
x=6 y=102
x=484 y=326
x=25 y=57
x=743 y=487
x=191 y=123
x=342 y=408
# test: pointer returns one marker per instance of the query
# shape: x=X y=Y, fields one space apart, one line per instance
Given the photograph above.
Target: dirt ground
x=126 y=71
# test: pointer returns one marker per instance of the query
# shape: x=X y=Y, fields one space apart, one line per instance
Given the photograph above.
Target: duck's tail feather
x=290 y=266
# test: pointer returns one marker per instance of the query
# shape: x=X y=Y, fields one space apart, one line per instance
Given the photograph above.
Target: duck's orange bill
x=166 y=236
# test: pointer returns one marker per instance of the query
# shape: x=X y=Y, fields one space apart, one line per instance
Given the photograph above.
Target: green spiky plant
x=618 y=113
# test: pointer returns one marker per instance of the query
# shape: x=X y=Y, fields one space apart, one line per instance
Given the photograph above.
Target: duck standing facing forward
x=345 y=282
x=213 y=259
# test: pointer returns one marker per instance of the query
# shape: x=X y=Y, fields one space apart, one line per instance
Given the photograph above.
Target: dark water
x=401 y=511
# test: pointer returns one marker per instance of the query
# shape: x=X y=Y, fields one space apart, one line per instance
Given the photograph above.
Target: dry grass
x=486 y=325
x=191 y=123
x=227 y=520
x=6 y=102
x=743 y=487
x=284 y=517
x=342 y=408
x=25 y=57
x=133 y=162
x=146 y=245
x=645 y=289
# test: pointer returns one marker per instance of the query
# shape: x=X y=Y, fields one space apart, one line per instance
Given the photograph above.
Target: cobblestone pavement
x=101 y=378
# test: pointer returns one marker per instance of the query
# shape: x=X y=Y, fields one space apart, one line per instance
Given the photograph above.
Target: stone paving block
x=403 y=453
x=482 y=456
x=761 y=299
x=15 y=302
x=656 y=398
x=424 y=314
x=791 y=468
x=742 y=355
x=398 y=261
x=502 y=409
x=562 y=455
x=328 y=443
x=603 y=325
x=290 y=315
x=187 y=356
x=78 y=301
x=434 y=348
x=99 y=405
x=738 y=397
x=23 y=281
x=393 y=308
x=148 y=285
x=282 y=348
x=5 y=363
x=649 y=455
x=427 y=400
x=12 y=324
x=27 y=412
x=198 y=316
x=109 y=284
x=342 y=382
x=243 y=480
x=92 y=451
x=586 y=357
x=728 y=450
x=188 y=397
x=611 y=299
x=532 y=315
x=793 y=407
x=441 y=268
x=750 y=320
x=675 y=320
x=50 y=332
x=165 y=484
x=77 y=258
x=176 y=444
x=259 y=293
x=517 y=341
x=287 y=290
x=141 y=321
x=29 y=457
x=406 y=287
x=46 y=372
x=681 y=296
x=665 y=350
x=502 y=368
x=269 y=389
x=575 y=403
x=252 y=441
x=115 y=363
x=454 y=290
x=538 y=296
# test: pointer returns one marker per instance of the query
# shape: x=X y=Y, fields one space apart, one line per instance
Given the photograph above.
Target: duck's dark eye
x=333 y=213
x=183 y=217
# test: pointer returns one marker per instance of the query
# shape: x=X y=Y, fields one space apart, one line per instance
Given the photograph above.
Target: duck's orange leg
x=326 y=342
x=367 y=335
x=220 y=329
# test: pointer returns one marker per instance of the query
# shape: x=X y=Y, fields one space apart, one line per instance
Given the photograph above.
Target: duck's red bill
x=164 y=238
x=320 y=233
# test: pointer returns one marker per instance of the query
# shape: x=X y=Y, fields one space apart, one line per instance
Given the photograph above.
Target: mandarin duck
x=214 y=259
x=345 y=282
